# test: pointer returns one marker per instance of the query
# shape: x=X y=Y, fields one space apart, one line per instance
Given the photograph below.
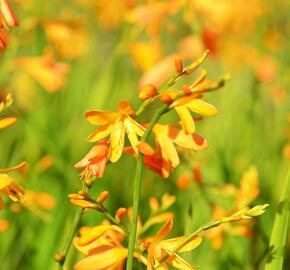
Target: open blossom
x=45 y=70
x=184 y=105
x=167 y=136
x=95 y=161
x=115 y=124
x=10 y=188
x=158 y=247
x=102 y=247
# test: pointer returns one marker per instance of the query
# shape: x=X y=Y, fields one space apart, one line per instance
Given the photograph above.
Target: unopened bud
x=178 y=64
x=59 y=257
x=88 y=182
x=166 y=99
x=147 y=91
x=103 y=196
x=186 y=90
x=121 y=212
x=76 y=196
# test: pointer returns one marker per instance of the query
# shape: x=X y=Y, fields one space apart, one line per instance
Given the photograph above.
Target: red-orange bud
x=103 y=196
x=147 y=91
x=178 y=64
x=186 y=90
x=166 y=99
x=121 y=212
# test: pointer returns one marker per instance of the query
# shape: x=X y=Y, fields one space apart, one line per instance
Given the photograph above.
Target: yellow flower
x=116 y=124
x=159 y=247
x=5 y=101
x=10 y=188
x=166 y=136
x=102 y=247
x=193 y=103
x=45 y=70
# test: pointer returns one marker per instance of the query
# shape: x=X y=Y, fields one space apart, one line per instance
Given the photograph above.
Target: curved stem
x=137 y=187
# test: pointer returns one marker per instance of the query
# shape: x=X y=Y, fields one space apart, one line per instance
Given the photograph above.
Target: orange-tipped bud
x=166 y=99
x=147 y=91
x=197 y=174
x=76 y=196
x=59 y=257
x=103 y=196
x=145 y=149
x=183 y=181
x=178 y=64
x=121 y=213
x=186 y=90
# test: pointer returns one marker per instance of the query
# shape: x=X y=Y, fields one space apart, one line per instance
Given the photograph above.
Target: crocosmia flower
x=116 y=125
x=167 y=136
x=95 y=161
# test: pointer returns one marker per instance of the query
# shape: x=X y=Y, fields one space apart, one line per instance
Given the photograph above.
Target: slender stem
x=137 y=187
x=71 y=235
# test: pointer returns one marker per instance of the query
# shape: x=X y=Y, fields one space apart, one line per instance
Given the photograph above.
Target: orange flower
x=48 y=73
x=159 y=247
x=115 y=124
x=153 y=161
x=102 y=247
x=166 y=136
x=94 y=163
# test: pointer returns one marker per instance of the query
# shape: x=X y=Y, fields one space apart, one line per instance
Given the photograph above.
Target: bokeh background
x=70 y=56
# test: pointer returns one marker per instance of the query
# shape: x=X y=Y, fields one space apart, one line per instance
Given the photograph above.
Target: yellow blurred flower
x=9 y=187
x=116 y=124
x=5 y=101
x=69 y=39
x=48 y=73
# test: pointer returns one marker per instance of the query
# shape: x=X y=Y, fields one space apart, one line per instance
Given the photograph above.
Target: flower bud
x=186 y=90
x=59 y=257
x=147 y=91
x=166 y=99
x=103 y=196
x=178 y=64
x=121 y=213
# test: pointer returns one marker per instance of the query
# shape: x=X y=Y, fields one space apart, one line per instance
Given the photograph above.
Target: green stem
x=137 y=187
x=71 y=235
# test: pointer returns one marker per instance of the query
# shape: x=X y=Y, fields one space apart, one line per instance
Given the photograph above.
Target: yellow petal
x=187 y=122
x=117 y=140
x=97 y=232
x=162 y=233
x=159 y=218
x=6 y=122
x=139 y=129
x=170 y=244
x=101 y=133
x=201 y=107
x=100 y=118
x=103 y=260
x=180 y=263
x=132 y=136
x=187 y=141
x=5 y=181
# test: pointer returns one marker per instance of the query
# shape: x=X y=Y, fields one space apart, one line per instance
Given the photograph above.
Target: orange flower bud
x=76 y=196
x=147 y=91
x=178 y=64
x=59 y=257
x=145 y=149
x=183 y=181
x=121 y=212
x=166 y=99
x=186 y=90
x=103 y=196
x=197 y=174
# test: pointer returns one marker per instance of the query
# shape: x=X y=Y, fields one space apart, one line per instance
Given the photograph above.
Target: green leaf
x=280 y=228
